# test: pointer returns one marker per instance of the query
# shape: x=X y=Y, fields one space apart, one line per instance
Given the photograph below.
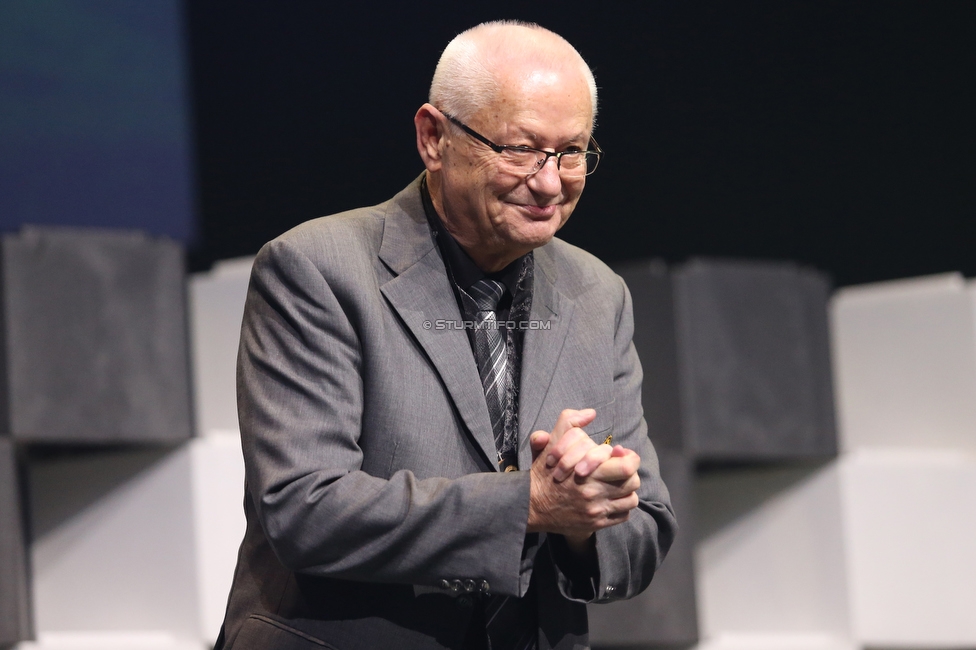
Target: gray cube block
x=15 y=616
x=736 y=369
x=654 y=337
x=96 y=340
x=665 y=615
x=736 y=359
x=754 y=360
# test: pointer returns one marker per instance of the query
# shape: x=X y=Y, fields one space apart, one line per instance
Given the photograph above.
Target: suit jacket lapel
x=422 y=295
x=541 y=349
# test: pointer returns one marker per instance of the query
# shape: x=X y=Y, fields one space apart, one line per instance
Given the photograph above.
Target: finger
x=623 y=488
x=595 y=456
x=559 y=446
x=615 y=511
x=597 y=490
x=622 y=506
x=617 y=469
x=572 y=418
x=575 y=452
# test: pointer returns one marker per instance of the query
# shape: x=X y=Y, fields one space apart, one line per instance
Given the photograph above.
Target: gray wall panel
x=15 y=619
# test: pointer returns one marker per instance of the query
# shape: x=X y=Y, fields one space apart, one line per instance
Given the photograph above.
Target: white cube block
x=777 y=642
x=910 y=521
x=115 y=546
x=770 y=558
x=876 y=547
x=136 y=546
x=218 y=511
x=111 y=641
x=971 y=289
x=216 y=310
x=904 y=358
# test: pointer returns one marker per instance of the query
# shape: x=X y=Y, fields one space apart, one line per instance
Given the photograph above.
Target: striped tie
x=491 y=353
x=509 y=622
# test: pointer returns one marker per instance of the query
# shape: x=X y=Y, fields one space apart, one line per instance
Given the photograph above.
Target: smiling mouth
x=537 y=211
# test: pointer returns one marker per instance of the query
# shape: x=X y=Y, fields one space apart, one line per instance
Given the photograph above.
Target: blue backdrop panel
x=94 y=125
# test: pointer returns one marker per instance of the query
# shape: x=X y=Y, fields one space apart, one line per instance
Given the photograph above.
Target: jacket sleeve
x=627 y=554
x=300 y=402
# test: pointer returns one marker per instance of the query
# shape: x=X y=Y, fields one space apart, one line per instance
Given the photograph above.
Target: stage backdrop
x=94 y=126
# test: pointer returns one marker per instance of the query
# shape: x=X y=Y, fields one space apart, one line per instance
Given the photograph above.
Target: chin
x=518 y=231
x=534 y=238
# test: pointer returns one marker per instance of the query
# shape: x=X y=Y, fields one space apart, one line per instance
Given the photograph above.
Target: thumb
x=572 y=418
x=538 y=442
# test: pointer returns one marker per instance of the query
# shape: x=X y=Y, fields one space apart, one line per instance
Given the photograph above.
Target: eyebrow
x=570 y=142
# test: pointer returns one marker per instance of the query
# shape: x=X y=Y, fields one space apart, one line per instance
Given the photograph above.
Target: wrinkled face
x=496 y=215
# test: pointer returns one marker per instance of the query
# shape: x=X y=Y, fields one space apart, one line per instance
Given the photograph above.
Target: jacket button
x=469 y=585
x=484 y=587
x=465 y=601
x=444 y=584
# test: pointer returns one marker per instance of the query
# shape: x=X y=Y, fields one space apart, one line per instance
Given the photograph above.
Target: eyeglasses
x=522 y=160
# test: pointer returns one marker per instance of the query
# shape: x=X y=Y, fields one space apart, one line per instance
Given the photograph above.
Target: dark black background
x=840 y=135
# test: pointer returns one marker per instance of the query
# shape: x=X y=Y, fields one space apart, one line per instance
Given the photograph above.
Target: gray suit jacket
x=372 y=491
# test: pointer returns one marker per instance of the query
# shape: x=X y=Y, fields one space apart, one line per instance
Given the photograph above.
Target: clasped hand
x=578 y=486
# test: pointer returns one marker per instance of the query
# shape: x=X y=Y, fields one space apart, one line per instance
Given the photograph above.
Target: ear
x=430 y=137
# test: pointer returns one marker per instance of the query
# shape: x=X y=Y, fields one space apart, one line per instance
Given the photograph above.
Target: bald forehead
x=518 y=49
x=522 y=87
x=481 y=65
x=522 y=58
x=508 y=36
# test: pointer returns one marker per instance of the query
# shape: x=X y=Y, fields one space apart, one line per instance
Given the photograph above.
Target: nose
x=546 y=182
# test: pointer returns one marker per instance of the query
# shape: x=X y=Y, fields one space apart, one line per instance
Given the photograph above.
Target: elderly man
x=393 y=363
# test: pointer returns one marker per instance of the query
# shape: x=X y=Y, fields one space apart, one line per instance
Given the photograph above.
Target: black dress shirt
x=513 y=309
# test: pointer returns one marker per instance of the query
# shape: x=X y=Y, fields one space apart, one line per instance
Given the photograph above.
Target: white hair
x=465 y=80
